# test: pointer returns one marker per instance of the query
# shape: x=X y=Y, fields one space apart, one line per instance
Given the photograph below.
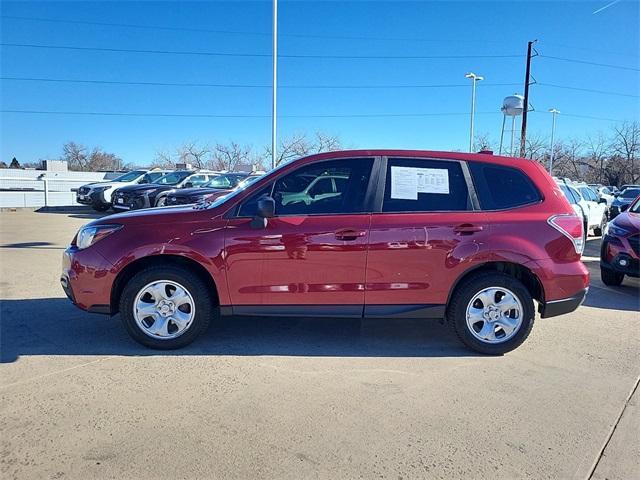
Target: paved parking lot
x=305 y=398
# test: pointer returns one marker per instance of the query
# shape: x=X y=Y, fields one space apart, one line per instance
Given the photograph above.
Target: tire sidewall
x=464 y=294
x=196 y=287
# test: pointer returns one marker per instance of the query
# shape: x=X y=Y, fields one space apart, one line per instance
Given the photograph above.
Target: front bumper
x=92 y=198
x=618 y=254
x=86 y=279
x=554 y=308
x=131 y=202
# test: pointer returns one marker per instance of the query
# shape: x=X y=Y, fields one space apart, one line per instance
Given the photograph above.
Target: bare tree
x=75 y=155
x=163 y=159
x=536 y=147
x=568 y=159
x=194 y=153
x=482 y=142
x=597 y=155
x=625 y=149
x=229 y=156
x=298 y=145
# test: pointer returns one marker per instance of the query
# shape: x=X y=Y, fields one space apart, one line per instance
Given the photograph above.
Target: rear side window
x=568 y=194
x=418 y=185
x=501 y=187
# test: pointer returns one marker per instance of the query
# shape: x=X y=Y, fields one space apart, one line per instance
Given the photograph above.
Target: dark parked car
x=219 y=184
x=623 y=200
x=620 y=250
x=134 y=197
x=99 y=195
x=473 y=238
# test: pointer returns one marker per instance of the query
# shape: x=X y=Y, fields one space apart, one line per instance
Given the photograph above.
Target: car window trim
x=379 y=200
x=367 y=202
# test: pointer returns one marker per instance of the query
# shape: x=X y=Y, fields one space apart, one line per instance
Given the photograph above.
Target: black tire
x=610 y=277
x=600 y=228
x=100 y=207
x=161 y=201
x=457 y=311
x=202 y=297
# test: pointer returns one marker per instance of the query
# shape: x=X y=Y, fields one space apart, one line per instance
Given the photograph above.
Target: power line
x=236 y=85
x=207 y=115
x=586 y=49
x=266 y=55
x=245 y=32
x=602 y=92
x=585 y=62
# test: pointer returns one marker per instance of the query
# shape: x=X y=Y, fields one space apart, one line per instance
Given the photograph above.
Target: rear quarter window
x=499 y=187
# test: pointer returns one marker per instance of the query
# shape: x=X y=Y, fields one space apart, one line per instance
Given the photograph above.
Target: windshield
x=129 y=176
x=635 y=208
x=630 y=193
x=172 y=178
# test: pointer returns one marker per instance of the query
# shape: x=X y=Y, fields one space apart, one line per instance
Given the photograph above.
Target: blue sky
x=479 y=30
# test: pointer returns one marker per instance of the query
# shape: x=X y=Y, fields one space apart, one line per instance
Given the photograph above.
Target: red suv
x=472 y=238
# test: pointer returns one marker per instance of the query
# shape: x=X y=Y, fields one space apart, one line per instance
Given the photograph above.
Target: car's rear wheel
x=166 y=307
x=600 y=228
x=492 y=313
x=610 y=277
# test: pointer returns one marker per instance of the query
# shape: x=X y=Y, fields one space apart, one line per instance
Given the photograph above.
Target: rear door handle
x=467 y=229
x=349 y=234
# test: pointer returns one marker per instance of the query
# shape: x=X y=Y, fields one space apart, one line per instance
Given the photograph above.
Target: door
x=312 y=253
x=420 y=238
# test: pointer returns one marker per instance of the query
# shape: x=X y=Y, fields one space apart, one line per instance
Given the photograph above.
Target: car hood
x=629 y=221
x=623 y=201
x=187 y=192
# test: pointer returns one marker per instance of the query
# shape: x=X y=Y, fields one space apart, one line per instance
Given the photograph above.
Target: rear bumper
x=554 y=308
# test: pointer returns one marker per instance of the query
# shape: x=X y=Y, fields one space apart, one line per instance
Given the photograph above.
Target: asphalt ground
x=305 y=398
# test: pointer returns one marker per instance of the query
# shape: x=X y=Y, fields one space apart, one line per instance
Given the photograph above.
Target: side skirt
x=426 y=311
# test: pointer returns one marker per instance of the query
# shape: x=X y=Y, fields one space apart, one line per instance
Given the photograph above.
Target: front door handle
x=349 y=234
x=467 y=229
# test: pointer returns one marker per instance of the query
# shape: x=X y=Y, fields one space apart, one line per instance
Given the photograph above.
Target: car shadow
x=83 y=213
x=36 y=245
x=53 y=326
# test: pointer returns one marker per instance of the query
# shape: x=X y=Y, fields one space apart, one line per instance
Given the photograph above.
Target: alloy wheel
x=494 y=315
x=164 y=309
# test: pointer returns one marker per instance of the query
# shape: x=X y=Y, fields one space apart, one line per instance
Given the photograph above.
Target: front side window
x=587 y=194
x=576 y=195
x=198 y=180
x=312 y=190
x=420 y=185
x=501 y=187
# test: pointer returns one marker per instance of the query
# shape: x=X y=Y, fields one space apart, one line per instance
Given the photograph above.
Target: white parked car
x=595 y=210
x=98 y=194
x=606 y=194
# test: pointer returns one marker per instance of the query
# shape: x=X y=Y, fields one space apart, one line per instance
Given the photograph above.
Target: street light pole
x=474 y=78
x=274 y=95
x=553 y=112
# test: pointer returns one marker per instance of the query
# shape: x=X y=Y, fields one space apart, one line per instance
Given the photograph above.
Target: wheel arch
x=516 y=270
x=158 y=260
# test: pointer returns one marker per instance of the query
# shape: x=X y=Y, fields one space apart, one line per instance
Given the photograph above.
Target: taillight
x=570 y=225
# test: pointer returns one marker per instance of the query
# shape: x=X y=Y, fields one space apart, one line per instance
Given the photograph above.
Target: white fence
x=37 y=188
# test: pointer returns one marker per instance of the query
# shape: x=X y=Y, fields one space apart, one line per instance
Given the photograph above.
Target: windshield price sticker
x=407 y=182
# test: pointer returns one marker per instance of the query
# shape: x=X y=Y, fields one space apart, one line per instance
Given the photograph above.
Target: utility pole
x=274 y=95
x=527 y=82
x=553 y=112
x=474 y=79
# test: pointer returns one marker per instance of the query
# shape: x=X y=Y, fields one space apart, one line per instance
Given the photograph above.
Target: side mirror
x=266 y=209
x=188 y=185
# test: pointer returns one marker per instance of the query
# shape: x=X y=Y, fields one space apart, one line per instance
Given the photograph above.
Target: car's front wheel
x=162 y=201
x=610 y=277
x=492 y=313
x=166 y=307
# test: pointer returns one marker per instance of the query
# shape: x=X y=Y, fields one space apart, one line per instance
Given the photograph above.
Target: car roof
x=480 y=157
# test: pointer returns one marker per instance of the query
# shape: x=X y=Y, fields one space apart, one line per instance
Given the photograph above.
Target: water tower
x=512 y=106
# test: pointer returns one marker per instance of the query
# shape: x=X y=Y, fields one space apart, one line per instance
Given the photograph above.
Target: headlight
x=615 y=230
x=89 y=235
x=102 y=188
